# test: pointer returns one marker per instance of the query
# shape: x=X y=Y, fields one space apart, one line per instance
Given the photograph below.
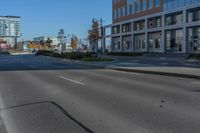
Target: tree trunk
x=96 y=46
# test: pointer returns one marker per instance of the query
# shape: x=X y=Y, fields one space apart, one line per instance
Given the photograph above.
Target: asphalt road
x=44 y=95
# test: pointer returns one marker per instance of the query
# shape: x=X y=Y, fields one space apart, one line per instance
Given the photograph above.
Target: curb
x=157 y=73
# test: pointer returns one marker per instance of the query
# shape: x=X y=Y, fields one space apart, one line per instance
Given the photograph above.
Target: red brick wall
x=136 y=15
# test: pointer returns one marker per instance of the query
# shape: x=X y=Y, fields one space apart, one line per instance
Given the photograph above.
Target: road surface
x=46 y=94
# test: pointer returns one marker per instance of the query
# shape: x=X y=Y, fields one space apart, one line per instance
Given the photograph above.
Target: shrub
x=73 y=55
x=96 y=59
x=124 y=54
x=194 y=56
x=4 y=52
x=44 y=52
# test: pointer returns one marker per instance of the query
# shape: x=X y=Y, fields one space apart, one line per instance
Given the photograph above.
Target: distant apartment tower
x=163 y=26
x=10 y=29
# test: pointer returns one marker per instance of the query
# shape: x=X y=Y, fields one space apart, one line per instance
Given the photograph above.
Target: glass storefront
x=116 y=29
x=116 y=45
x=126 y=43
x=175 y=18
x=140 y=43
x=155 y=42
x=139 y=25
x=193 y=39
x=193 y=15
x=174 y=40
x=126 y=27
x=154 y=22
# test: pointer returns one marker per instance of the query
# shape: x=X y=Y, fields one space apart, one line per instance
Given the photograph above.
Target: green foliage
x=4 y=53
x=94 y=32
x=48 y=42
x=72 y=55
x=194 y=56
x=124 y=54
x=96 y=59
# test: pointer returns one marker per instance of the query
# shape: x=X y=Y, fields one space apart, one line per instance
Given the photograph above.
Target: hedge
x=124 y=54
x=194 y=56
x=70 y=55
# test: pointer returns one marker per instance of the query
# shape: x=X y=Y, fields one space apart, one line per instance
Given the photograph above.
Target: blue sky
x=46 y=17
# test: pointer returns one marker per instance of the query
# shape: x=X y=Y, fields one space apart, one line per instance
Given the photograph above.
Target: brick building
x=160 y=26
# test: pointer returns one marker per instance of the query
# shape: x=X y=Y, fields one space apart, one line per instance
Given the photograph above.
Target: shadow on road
x=36 y=63
x=32 y=62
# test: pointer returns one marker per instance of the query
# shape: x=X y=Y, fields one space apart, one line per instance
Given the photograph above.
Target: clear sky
x=46 y=17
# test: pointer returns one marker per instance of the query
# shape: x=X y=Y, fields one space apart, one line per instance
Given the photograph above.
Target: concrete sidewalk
x=142 y=66
x=184 y=72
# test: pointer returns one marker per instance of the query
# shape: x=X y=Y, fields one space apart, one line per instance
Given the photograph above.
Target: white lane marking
x=71 y=80
x=196 y=82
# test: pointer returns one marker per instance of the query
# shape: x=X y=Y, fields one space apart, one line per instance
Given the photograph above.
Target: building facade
x=158 y=26
x=10 y=29
x=55 y=40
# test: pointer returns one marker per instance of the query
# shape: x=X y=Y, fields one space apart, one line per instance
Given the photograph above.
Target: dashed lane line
x=71 y=80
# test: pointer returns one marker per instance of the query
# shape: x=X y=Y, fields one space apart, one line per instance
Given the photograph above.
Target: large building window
x=175 y=18
x=157 y=3
x=140 y=43
x=126 y=43
x=155 y=42
x=123 y=11
x=130 y=6
x=188 y=2
x=138 y=5
x=174 y=40
x=193 y=15
x=128 y=10
x=116 y=29
x=126 y=27
x=179 y=18
x=154 y=22
x=150 y=4
x=115 y=14
x=133 y=8
x=144 y=5
x=193 y=39
x=116 y=45
x=139 y=25
x=119 y=12
x=175 y=4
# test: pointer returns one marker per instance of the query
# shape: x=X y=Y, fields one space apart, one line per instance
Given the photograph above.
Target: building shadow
x=38 y=63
